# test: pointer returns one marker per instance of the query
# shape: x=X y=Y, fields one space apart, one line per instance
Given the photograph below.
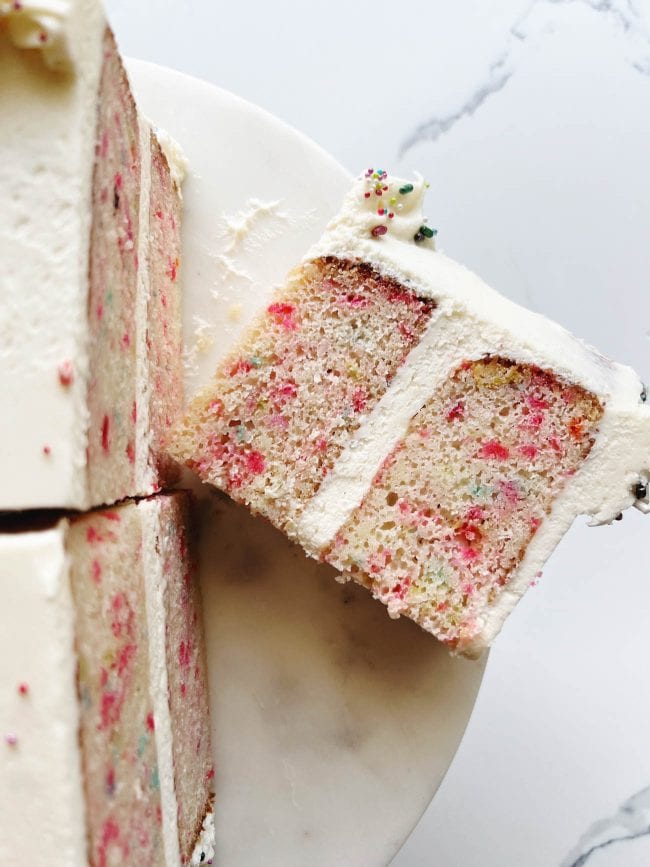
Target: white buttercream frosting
x=175 y=156
x=46 y=167
x=43 y=25
x=472 y=320
x=204 y=850
x=40 y=767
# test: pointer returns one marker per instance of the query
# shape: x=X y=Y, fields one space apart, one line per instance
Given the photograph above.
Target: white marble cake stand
x=333 y=725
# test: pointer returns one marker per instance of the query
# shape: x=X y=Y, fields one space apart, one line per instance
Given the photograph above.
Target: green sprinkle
x=428 y=232
x=241 y=433
x=407 y=188
x=256 y=361
x=142 y=743
x=155 y=779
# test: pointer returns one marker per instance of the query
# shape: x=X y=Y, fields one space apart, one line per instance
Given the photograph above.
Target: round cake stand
x=333 y=726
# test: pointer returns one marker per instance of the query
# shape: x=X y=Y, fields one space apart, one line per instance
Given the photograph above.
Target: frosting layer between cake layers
x=86 y=342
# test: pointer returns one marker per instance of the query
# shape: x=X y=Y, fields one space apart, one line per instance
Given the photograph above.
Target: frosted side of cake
x=84 y=331
x=40 y=771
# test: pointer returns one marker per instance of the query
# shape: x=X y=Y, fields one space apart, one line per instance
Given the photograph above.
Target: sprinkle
x=407 y=188
x=641 y=490
x=418 y=237
x=47 y=450
x=11 y=740
x=428 y=232
x=366 y=195
x=66 y=373
x=392 y=200
x=23 y=689
x=644 y=394
x=391 y=215
x=105 y=434
x=378 y=230
x=378 y=191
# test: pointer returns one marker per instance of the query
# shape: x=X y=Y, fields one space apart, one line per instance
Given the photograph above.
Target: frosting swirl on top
x=379 y=204
x=39 y=24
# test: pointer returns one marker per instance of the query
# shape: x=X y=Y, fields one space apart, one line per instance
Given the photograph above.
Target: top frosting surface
x=40 y=24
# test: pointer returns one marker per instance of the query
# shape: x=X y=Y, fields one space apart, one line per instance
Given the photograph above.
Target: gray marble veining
x=631 y=821
x=623 y=13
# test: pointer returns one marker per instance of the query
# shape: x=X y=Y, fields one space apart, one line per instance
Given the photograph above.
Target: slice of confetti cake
x=89 y=235
x=104 y=707
x=412 y=427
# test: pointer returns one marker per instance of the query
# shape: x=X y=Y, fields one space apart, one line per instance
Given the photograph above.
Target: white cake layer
x=47 y=147
x=41 y=794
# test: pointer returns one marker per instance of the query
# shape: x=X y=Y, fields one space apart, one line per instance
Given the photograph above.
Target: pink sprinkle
x=359 y=399
x=66 y=373
x=493 y=449
x=103 y=149
x=126 y=340
x=457 y=412
x=42 y=36
x=150 y=722
x=97 y=571
x=130 y=452
x=23 y=689
x=537 y=402
x=93 y=536
x=105 y=434
x=47 y=450
x=528 y=450
x=184 y=654
x=283 y=313
x=255 y=462
x=352 y=300
x=510 y=491
x=118 y=181
x=11 y=740
x=278 y=421
x=241 y=366
x=377 y=231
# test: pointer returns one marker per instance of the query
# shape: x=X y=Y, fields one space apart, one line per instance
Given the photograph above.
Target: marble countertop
x=531 y=122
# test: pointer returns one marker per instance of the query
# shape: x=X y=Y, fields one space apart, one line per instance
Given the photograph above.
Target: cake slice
x=104 y=707
x=407 y=424
x=89 y=238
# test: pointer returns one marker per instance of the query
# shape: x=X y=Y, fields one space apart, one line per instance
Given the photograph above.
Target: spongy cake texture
x=270 y=427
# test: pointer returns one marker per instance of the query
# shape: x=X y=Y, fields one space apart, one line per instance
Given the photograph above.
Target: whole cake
x=104 y=708
x=90 y=244
x=407 y=424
